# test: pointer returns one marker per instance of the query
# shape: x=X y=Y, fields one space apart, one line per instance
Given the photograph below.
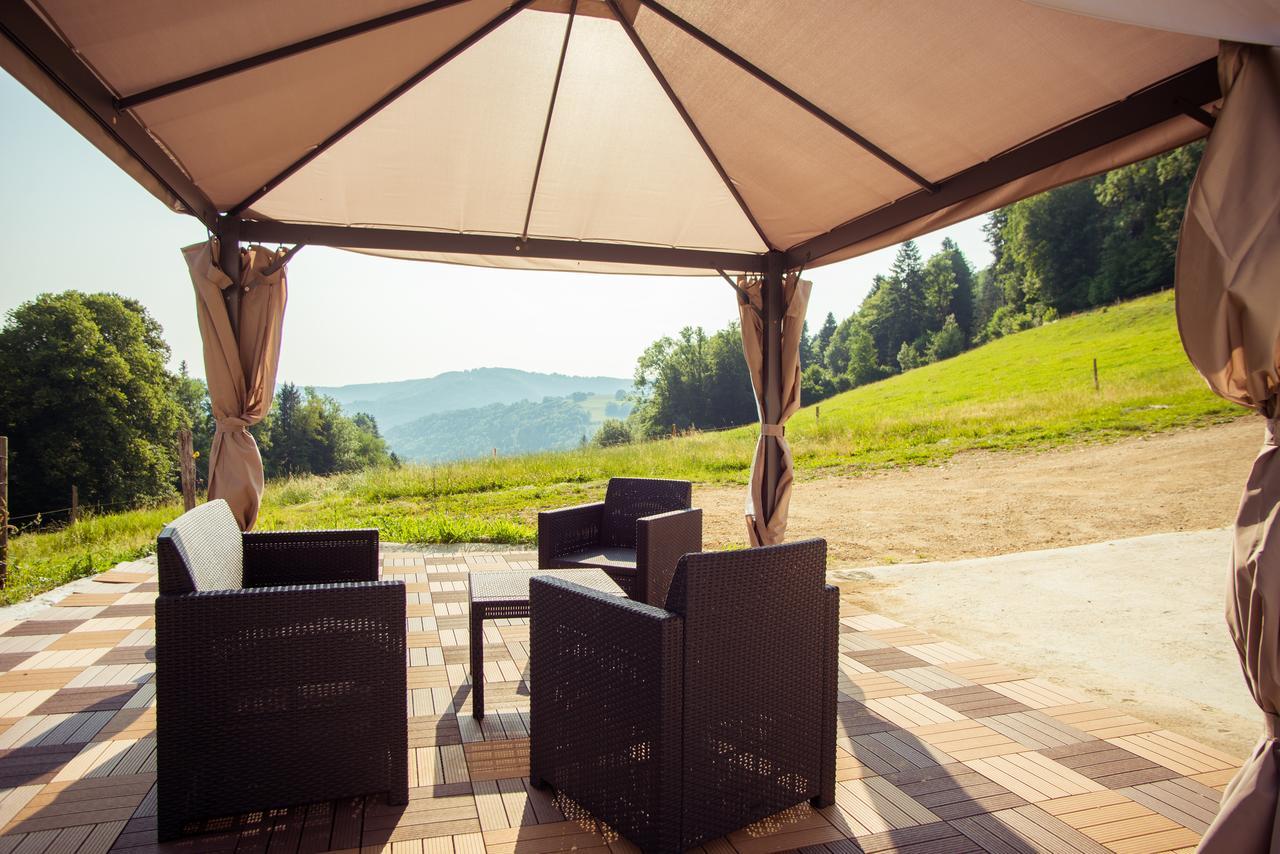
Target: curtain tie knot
x=1273 y=432
x=230 y=425
x=1271 y=724
x=776 y=430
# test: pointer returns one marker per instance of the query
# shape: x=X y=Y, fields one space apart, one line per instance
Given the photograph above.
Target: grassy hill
x=1031 y=390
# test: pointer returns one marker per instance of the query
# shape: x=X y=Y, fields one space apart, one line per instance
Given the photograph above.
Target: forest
x=87 y=400
x=1085 y=244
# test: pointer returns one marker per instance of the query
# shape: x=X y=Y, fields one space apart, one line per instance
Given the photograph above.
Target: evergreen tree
x=823 y=338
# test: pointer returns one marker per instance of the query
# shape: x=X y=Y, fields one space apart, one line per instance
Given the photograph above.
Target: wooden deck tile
x=1036 y=730
x=1191 y=804
x=496 y=760
x=955 y=791
x=977 y=701
x=965 y=740
x=1112 y=766
x=1175 y=752
x=888 y=658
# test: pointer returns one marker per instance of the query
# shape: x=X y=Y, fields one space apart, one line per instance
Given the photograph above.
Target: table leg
x=477 y=661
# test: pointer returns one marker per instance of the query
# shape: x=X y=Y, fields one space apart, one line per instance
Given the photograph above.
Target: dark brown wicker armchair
x=676 y=726
x=636 y=534
x=280 y=670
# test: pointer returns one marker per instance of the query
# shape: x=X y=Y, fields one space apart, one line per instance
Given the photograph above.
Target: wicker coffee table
x=505 y=595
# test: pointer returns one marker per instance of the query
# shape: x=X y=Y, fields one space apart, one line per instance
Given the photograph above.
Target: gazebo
x=748 y=139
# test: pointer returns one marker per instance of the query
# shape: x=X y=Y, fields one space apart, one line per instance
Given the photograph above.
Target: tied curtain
x=1228 y=305
x=240 y=362
x=765 y=528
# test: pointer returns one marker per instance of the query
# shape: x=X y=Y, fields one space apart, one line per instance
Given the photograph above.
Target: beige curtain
x=1228 y=297
x=762 y=531
x=240 y=369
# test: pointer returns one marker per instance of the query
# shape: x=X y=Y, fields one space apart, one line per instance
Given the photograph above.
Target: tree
x=823 y=339
x=962 y=298
x=816 y=384
x=85 y=399
x=1142 y=204
x=909 y=356
x=946 y=342
x=307 y=433
x=694 y=380
x=613 y=432
x=806 y=346
x=864 y=363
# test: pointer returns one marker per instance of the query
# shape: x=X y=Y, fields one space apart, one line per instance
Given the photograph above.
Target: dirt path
x=982 y=504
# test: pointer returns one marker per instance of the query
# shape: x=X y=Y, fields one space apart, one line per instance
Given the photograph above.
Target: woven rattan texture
x=940 y=751
x=627 y=499
x=650 y=515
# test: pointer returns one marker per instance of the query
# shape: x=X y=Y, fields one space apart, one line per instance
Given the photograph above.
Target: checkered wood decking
x=939 y=748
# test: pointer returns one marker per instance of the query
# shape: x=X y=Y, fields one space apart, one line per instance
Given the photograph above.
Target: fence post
x=75 y=504
x=817 y=414
x=4 y=510
x=187 y=469
x=1095 y=375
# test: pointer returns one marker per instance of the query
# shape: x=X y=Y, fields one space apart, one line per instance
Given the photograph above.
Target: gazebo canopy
x=637 y=135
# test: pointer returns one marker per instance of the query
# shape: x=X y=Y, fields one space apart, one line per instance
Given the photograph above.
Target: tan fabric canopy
x=820 y=128
x=240 y=364
x=769 y=503
x=1228 y=305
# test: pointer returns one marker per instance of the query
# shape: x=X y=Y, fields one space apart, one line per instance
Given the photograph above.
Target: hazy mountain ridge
x=396 y=403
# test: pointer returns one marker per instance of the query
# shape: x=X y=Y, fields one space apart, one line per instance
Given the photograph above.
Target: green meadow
x=1032 y=390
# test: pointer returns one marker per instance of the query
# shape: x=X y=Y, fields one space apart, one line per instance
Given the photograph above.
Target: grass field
x=1031 y=390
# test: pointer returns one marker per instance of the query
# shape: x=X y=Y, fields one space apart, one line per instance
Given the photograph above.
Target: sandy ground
x=983 y=504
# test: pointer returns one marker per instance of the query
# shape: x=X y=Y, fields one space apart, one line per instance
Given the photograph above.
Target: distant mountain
x=552 y=424
x=397 y=403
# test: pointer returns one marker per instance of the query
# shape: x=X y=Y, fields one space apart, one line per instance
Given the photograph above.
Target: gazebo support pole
x=774 y=308
x=229 y=263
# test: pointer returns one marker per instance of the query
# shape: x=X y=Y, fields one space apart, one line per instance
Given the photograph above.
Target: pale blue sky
x=72 y=219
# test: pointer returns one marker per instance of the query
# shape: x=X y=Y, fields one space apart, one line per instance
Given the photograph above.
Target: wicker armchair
x=677 y=726
x=636 y=534
x=280 y=670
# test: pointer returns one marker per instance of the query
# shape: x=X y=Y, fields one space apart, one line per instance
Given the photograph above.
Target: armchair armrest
x=568 y=530
x=661 y=541
x=273 y=558
x=606 y=711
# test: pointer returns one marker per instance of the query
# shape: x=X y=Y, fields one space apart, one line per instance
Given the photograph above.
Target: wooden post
x=817 y=414
x=495 y=453
x=673 y=431
x=187 y=469
x=4 y=510
x=1095 y=375
x=75 y=504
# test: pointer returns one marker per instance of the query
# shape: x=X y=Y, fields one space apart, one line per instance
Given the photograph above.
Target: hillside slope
x=396 y=403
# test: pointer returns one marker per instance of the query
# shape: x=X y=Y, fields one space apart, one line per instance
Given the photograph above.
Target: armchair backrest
x=758 y=638
x=202 y=549
x=630 y=498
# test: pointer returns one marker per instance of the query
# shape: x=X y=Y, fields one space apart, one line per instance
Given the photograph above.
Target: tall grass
x=1032 y=390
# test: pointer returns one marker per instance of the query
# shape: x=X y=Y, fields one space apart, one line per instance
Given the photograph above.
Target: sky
x=71 y=219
